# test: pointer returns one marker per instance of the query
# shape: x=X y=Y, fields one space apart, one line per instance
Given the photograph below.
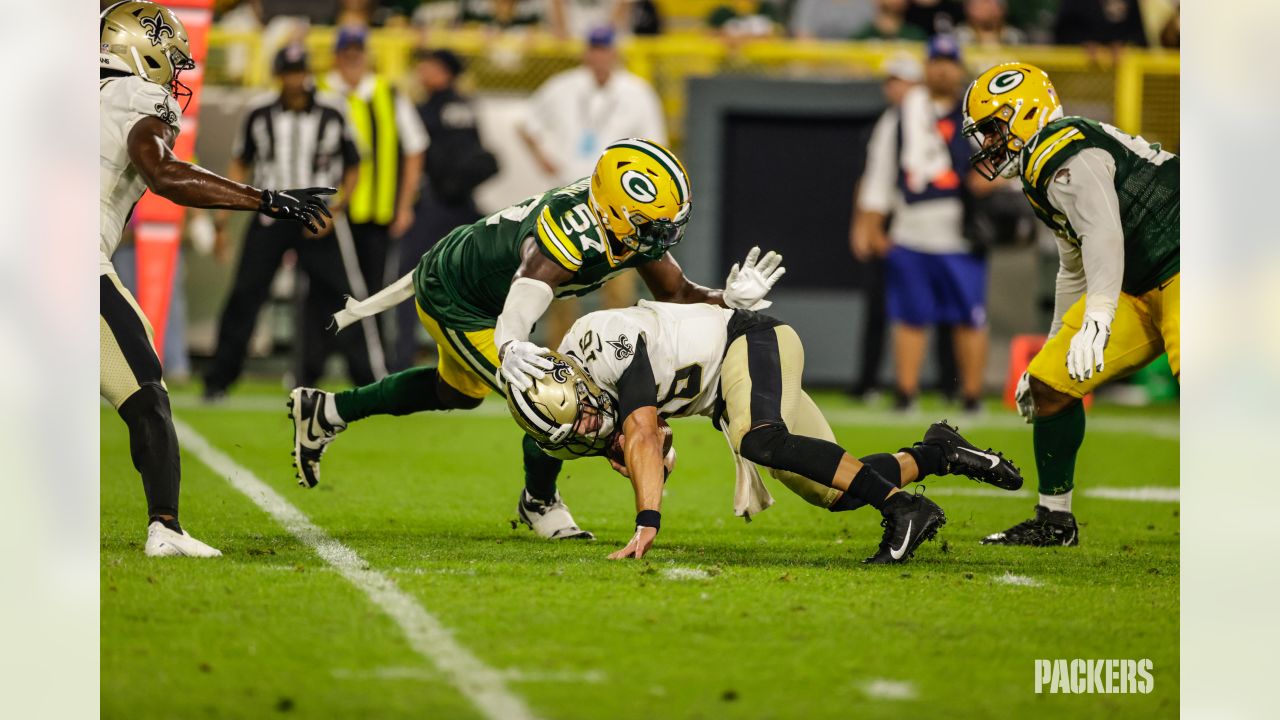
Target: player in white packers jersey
x=143 y=50
x=619 y=371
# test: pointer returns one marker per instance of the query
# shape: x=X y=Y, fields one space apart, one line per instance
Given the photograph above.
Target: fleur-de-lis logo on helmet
x=157 y=28
x=560 y=370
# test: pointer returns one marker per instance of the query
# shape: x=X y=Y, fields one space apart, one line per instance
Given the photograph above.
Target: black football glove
x=304 y=205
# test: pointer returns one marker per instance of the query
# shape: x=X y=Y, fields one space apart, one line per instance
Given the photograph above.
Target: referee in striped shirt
x=301 y=139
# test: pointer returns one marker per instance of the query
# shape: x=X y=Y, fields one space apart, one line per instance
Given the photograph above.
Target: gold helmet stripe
x=664 y=158
x=1050 y=147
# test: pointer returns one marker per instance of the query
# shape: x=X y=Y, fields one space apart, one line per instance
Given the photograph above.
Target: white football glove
x=522 y=363
x=1085 y=354
x=1022 y=398
x=746 y=287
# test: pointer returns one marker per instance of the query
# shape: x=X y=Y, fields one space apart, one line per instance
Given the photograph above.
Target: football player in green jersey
x=1113 y=201
x=480 y=290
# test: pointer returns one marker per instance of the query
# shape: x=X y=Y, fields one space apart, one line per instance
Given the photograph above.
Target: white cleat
x=550 y=520
x=163 y=542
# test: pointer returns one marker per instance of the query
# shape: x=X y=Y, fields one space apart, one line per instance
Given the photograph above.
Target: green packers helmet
x=147 y=40
x=564 y=411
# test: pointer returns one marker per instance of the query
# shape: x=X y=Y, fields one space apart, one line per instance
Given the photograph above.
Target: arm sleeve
x=527 y=300
x=877 y=187
x=636 y=386
x=1070 y=283
x=1084 y=190
x=413 y=134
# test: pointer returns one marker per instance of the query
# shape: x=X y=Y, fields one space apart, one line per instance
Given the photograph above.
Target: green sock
x=1057 y=439
x=540 y=471
x=402 y=393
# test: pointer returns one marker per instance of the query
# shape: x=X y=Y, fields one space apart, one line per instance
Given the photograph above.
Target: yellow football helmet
x=1004 y=109
x=640 y=192
x=147 y=40
x=565 y=411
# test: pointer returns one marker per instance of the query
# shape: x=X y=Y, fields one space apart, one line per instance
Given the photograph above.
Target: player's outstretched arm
x=745 y=288
x=151 y=152
x=667 y=281
x=643 y=452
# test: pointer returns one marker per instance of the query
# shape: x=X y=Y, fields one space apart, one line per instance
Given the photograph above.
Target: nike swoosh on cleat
x=994 y=460
x=315 y=417
x=897 y=554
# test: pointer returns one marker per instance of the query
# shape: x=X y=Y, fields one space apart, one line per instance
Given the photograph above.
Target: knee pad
x=150 y=400
x=775 y=447
x=762 y=445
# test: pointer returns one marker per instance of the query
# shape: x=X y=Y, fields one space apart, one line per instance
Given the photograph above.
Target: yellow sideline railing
x=1137 y=90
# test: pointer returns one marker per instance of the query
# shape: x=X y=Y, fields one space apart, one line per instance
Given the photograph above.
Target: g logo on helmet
x=1005 y=81
x=639 y=186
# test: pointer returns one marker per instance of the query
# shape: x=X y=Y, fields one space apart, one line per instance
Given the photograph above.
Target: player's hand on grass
x=1085 y=354
x=304 y=205
x=522 y=363
x=747 y=285
x=640 y=544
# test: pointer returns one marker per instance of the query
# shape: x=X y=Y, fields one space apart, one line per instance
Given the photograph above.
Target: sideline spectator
x=746 y=19
x=1035 y=18
x=830 y=19
x=501 y=14
x=890 y=23
x=391 y=139
x=456 y=163
x=916 y=161
x=576 y=18
x=1100 y=24
x=294 y=140
x=572 y=117
x=935 y=17
x=984 y=25
x=869 y=245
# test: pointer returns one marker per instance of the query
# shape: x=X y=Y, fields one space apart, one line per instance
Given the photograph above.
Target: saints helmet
x=559 y=410
x=147 y=40
x=1004 y=109
x=640 y=192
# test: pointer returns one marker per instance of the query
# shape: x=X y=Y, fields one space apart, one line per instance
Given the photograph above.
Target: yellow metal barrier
x=1139 y=92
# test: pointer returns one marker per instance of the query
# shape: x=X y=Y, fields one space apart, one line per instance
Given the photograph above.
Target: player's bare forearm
x=151 y=152
x=667 y=281
x=536 y=266
x=643 y=452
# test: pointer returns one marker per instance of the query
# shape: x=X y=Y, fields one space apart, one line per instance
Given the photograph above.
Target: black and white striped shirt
x=296 y=148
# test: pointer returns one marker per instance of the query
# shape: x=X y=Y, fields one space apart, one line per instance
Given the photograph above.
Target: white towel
x=750 y=496
x=924 y=152
x=385 y=299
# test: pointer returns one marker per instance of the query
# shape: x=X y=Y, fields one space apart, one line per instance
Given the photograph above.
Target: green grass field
x=775 y=619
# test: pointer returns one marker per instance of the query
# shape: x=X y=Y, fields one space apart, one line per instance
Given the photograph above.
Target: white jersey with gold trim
x=686 y=345
x=122 y=102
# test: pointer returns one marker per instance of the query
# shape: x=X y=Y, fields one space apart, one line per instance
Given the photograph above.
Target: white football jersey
x=686 y=346
x=122 y=102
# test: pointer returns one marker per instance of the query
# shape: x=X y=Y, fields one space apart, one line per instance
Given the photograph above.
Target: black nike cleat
x=1049 y=528
x=311 y=432
x=964 y=458
x=909 y=520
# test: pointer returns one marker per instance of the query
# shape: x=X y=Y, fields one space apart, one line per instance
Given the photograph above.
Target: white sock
x=331 y=412
x=1057 y=503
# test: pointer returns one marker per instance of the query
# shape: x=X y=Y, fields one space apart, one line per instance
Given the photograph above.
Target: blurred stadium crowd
x=488 y=101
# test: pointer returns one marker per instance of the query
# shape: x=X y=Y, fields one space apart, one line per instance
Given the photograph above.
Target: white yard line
x=484 y=686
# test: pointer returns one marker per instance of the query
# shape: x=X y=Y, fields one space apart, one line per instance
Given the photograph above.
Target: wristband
x=649 y=518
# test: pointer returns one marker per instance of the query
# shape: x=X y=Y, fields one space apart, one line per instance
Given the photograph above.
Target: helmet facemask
x=998 y=147
x=653 y=238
